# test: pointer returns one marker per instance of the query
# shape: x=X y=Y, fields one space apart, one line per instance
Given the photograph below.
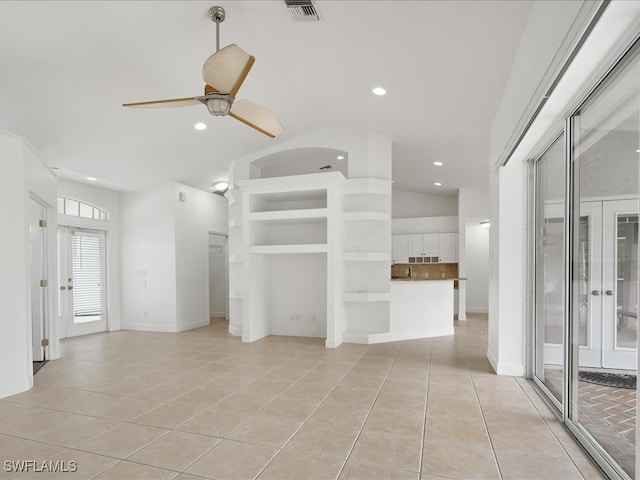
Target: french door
x=81 y=281
x=607 y=284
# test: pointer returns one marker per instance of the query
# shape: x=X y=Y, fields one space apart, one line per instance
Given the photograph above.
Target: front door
x=81 y=281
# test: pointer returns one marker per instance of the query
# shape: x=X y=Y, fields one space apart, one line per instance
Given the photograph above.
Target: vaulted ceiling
x=66 y=68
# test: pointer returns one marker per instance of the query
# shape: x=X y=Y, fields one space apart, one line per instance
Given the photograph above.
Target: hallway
x=133 y=405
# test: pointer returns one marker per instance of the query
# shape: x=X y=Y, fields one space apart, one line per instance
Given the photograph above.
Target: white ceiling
x=66 y=68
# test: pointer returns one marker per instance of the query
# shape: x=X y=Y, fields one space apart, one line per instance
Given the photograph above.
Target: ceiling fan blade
x=226 y=69
x=174 y=102
x=256 y=116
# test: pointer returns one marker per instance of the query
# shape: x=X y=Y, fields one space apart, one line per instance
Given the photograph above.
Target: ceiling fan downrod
x=217 y=15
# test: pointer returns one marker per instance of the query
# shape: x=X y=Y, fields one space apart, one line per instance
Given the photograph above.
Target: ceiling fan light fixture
x=218 y=106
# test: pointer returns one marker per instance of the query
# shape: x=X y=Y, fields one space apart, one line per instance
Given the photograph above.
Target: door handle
x=609 y=292
x=70 y=287
x=595 y=292
x=63 y=287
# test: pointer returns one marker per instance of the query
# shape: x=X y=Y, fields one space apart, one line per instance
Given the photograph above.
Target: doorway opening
x=38 y=280
x=218 y=278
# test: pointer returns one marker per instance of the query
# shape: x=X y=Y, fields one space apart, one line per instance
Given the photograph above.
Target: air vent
x=302 y=10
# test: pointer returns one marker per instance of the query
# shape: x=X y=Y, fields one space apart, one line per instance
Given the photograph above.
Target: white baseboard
x=218 y=314
x=149 y=327
x=235 y=330
x=503 y=368
x=191 y=325
x=477 y=310
x=155 y=327
x=334 y=342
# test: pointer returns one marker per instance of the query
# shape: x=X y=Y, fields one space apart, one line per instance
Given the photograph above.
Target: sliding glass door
x=585 y=270
x=550 y=270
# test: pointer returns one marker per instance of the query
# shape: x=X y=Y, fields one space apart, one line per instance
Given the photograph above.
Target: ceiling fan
x=223 y=73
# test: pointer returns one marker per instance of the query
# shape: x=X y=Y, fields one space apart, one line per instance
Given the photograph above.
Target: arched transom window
x=76 y=208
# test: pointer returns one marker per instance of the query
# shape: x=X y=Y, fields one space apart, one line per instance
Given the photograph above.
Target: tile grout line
x=484 y=421
x=353 y=444
x=424 y=419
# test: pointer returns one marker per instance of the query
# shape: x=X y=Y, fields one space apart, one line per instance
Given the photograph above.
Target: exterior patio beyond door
x=81 y=281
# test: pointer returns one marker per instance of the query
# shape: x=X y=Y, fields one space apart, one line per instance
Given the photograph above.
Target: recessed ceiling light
x=92 y=179
x=438 y=164
x=437 y=184
x=221 y=186
x=638 y=151
x=340 y=157
x=379 y=91
x=200 y=126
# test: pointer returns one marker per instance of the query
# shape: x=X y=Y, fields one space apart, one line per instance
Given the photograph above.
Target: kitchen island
x=421 y=308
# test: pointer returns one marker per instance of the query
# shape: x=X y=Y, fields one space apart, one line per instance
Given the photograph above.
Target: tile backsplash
x=424 y=271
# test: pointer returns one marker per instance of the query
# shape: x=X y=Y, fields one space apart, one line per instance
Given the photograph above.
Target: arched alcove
x=300 y=161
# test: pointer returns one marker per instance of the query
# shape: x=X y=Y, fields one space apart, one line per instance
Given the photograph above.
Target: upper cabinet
x=425 y=248
x=400 y=252
x=448 y=247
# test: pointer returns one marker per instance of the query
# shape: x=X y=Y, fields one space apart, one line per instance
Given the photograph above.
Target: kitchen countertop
x=425 y=279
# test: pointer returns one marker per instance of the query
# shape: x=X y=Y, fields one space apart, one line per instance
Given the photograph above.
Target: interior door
x=37 y=264
x=81 y=281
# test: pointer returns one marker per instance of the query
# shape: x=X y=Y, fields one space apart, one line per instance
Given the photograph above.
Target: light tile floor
x=135 y=405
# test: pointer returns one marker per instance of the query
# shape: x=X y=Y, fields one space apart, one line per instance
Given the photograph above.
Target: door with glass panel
x=604 y=148
x=549 y=271
x=606 y=311
x=81 y=281
x=620 y=284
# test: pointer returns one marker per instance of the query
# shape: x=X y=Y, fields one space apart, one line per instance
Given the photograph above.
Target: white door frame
x=38 y=273
x=70 y=327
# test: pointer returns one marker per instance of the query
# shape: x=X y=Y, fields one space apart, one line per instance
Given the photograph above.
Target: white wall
x=148 y=252
x=297 y=286
x=549 y=36
x=24 y=174
x=164 y=246
x=407 y=226
x=413 y=204
x=109 y=201
x=196 y=216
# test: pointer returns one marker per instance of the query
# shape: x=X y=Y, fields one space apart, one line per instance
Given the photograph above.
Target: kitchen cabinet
x=427 y=247
x=400 y=253
x=448 y=247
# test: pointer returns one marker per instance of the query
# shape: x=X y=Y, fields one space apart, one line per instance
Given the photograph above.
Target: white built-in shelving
x=319 y=239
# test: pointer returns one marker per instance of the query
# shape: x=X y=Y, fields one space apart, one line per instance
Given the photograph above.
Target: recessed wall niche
x=300 y=161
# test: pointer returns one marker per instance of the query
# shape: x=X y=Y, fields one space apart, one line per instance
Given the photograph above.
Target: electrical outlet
x=442 y=274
